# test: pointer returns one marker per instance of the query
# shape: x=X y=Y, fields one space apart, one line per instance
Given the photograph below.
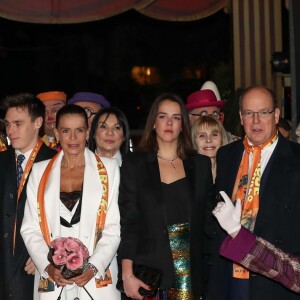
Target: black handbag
x=148 y=275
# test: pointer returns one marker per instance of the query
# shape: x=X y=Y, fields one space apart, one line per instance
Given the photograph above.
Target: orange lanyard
x=26 y=172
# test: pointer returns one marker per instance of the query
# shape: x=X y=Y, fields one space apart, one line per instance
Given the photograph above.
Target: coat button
x=11 y=195
x=5 y=235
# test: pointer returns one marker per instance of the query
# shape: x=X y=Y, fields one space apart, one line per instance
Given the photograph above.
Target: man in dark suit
x=23 y=119
x=263 y=170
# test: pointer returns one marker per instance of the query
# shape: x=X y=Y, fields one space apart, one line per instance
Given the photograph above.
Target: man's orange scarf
x=250 y=200
x=101 y=213
x=51 y=144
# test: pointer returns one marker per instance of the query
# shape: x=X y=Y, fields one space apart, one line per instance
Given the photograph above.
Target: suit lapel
x=189 y=168
x=272 y=181
x=91 y=198
x=39 y=157
x=228 y=168
x=51 y=198
x=155 y=176
x=190 y=173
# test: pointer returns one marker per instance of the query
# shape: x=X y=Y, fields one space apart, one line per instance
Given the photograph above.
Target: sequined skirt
x=179 y=236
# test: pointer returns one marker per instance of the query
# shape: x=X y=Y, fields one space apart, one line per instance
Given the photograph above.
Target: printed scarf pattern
x=250 y=199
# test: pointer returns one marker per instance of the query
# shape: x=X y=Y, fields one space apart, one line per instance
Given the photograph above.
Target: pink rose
x=69 y=253
x=59 y=257
x=72 y=244
x=84 y=251
x=74 y=261
x=58 y=244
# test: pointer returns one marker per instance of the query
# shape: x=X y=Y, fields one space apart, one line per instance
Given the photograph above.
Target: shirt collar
x=26 y=154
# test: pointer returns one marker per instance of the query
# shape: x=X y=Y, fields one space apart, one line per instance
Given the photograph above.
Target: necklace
x=171 y=161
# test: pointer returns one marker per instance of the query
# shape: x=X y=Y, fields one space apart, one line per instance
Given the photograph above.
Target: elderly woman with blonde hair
x=208 y=135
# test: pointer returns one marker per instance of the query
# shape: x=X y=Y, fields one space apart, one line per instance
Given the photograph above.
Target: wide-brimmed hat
x=52 y=95
x=203 y=98
x=89 y=97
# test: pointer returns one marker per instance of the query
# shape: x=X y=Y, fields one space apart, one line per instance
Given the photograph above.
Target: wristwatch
x=94 y=269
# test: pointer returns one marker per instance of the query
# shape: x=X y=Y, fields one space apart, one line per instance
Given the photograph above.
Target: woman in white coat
x=74 y=195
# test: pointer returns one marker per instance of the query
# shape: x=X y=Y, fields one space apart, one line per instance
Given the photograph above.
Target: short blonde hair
x=208 y=123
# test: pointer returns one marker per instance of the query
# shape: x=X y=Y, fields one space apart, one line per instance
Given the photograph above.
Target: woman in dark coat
x=163 y=196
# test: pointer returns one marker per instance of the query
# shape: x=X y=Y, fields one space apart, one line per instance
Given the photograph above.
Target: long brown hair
x=149 y=139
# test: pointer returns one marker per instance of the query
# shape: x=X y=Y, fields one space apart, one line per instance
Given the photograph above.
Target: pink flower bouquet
x=70 y=255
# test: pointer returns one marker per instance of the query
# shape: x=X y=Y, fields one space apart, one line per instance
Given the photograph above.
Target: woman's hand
x=56 y=275
x=228 y=215
x=131 y=287
x=84 y=278
x=29 y=267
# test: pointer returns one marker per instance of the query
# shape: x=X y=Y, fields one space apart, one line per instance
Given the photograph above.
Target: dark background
x=99 y=57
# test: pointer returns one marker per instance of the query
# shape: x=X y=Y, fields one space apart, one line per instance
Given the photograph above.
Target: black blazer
x=144 y=235
x=14 y=281
x=278 y=219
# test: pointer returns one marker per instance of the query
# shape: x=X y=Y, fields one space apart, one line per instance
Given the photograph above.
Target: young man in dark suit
x=263 y=171
x=23 y=120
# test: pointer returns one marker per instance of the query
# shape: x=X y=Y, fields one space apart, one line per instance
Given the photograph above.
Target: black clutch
x=148 y=275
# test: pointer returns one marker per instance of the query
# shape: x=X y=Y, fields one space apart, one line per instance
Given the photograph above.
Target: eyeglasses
x=261 y=114
x=89 y=112
x=215 y=114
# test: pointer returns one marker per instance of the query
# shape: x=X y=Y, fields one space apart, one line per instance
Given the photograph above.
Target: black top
x=176 y=197
x=69 y=199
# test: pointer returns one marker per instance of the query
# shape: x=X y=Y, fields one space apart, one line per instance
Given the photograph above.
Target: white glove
x=228 y=215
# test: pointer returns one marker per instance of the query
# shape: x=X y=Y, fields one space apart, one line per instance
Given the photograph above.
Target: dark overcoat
x=15 y=283
x=278 y=219
x=144 y=234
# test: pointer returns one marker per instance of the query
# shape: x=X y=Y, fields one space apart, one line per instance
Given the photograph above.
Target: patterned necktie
x=20 y=159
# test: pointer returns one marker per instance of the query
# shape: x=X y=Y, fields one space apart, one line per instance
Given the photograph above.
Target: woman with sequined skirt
x=163 y=197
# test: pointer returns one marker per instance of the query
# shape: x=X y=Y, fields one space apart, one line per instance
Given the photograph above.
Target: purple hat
x=203 y=98
x=89 y=97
